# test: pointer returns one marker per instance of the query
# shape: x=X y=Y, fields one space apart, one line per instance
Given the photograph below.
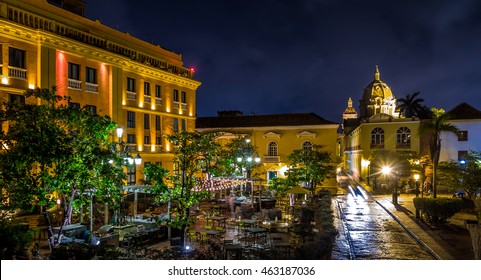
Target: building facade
x=379 y=126
x=144 y=88
x=276 y=137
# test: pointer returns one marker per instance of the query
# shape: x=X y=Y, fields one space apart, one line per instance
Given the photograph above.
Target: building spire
x=377 y=75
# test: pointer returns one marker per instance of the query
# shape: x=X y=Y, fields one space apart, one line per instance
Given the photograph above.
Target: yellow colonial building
x=144 y=88
x=276 y=137
x=378 y=127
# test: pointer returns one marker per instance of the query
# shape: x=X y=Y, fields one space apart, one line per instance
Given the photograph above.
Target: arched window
x=403 y=137
x=377 y=137
x=307 y=145
x=272 y=149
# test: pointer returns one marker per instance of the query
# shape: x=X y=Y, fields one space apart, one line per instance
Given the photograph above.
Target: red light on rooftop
x=192 y=69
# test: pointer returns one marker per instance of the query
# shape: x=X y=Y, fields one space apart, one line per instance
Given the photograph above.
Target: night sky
x=301 y=56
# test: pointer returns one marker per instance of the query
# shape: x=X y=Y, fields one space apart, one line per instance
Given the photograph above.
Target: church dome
x=377 y=89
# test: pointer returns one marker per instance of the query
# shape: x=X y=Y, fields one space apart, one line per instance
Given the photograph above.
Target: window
x=271 y=175
x=307 y=145
x=74 y=105
x=158 y=140
x=146 y=88
x=147 y=140
x=176 y=95
x=463 y=135
x=272 y=149
x=91 y=75
x=157 y=122
x=176 y=125
x=403 y=137
x=184 y=125
x=130 y=138
x=146 y=121
x=157 y=91
x=130 y=119
x=73 y=71
x=131 y=84
x=91 y=108
x=131 y=176
x=462 y=156
x=17 y=98
x=16 y=58
x=377 y=137
x=183 y=97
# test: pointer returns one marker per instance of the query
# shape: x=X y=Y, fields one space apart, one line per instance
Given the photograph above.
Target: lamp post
x=386 y=170
x=416 y=179
x=124 y=152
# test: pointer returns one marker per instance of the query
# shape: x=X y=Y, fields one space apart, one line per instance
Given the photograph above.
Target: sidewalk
x=450 y=241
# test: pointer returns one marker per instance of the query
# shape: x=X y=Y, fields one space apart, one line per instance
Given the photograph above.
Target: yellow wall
x=55 y=37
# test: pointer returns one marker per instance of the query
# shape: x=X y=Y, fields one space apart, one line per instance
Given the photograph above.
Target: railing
x=377 y=146
x=147 y=99
x=176 y=105
x=184 y=106
x=74 y=84
x=158 y=101
x=147 y=147
x=131 y=95
x=28 y=19
x=17 y=73
x=271 y=159
x=158 y=148
x=403 y=145
x=94 y=88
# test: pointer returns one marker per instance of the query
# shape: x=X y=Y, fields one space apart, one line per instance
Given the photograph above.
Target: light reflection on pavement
x=373 y=233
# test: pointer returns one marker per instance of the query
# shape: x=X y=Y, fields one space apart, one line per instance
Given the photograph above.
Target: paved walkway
x=450 y=241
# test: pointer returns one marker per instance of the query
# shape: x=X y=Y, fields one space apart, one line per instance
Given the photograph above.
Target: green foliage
x=239 y=147
x=14 y=237
x=73 y=251
x=438 y=210
x=311 y=166
x=471 y=174
x=439 y=123
x=56 y=148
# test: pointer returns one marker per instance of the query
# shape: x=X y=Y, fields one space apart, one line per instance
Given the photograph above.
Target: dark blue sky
x=299 y=56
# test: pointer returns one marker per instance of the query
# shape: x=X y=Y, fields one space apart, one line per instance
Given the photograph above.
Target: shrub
x=438 y=210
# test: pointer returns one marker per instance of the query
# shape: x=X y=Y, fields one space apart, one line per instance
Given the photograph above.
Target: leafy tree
x=193 y=152
x=411 y=105
x=471 y=174
x=311 y=166
x=449 y=175
x=438 y=124
x=56 y=149
x=239 y=148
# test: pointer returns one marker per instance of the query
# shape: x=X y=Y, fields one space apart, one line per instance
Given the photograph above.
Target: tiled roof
x=261 y=121
x=464 y=111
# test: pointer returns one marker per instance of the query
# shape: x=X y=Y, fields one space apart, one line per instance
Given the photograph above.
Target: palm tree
x=411 y=105
x=438 y=124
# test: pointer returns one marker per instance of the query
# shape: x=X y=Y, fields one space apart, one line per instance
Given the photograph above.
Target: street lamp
x=387 y=170
x=125 y=153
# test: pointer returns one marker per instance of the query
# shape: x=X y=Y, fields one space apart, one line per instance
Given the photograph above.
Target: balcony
x=377 y=146
x=147 y=99
x=147 y=148
x=403 y=146
x=17 y=73
x=158 y=101
x=74 y=84
x=184 y=106
x=176 y=105
x=271 y=159
x=131 y=95
x=93 y=88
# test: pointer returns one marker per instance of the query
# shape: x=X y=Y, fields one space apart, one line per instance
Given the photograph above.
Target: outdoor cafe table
x=256 y=231
x=219 y=220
